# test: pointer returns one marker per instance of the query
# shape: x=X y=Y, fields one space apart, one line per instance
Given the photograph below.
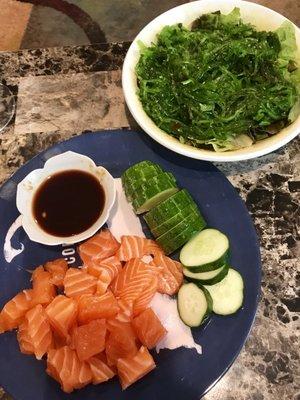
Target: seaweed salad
x=221 y=84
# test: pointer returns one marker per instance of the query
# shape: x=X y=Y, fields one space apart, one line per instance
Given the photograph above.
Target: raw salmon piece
x=78 y=282
x=111 y=264
x=15 y=309
x=148 y=328
x=133 y=279
x=38 y=330
x=121 y=341
x=55 y=359
x=26 y=347
x=99 y=247
x=103 y=283
x=136 y=247
x=57 y=269
x=43 y=289
x=141 y=303
x=81 y=372
x=64 y=366
x=101 y=372
x=92 y=307
x=170 y=276
x=130 y=369
x=62 y=313
x=60 y=341
x=89 y=339
x=125 y=312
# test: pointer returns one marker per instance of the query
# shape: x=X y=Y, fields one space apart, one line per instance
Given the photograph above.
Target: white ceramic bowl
x=62 y=162
x=263 y=18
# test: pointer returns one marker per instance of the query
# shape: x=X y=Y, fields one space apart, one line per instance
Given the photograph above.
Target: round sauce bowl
x=72 y=167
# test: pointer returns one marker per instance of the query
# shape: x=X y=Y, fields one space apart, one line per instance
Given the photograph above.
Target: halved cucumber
x=206 y=251
x=194 y=304
x=132 y=188
x=169 y=208
x=206 y=278
x=181 y=233
x=176 y=219
x=142 y=170
x=152 y=192
x=227 y=295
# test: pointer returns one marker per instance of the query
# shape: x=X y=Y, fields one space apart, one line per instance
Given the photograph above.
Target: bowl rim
x=260 y=148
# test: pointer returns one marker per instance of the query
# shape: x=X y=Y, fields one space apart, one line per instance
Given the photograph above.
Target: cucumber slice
x=227 y=295
x=169 y=208
x=152 y=192
x=181 y=233
x=133 y=187
x=206 y=278
x=194 y=304
x=206 y=251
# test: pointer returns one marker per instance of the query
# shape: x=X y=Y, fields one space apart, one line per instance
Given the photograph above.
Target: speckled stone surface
x=63 y=92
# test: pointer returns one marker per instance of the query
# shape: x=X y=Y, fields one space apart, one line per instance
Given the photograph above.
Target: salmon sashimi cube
x=25 y=344
x=99 y=247
x=111 y=264
x=141 y=303
x=64 y=366
x=43 y=289
x=133 y=279
x=92 y=307
x=39 y=330
x=125 y=312
x=101 y=372
x=103 y=282
x=89 y=339
x=15 y=309
x=78 y=282
x=57 y=269
x=131 y=369
x=55 y=360
x=136 y=247
x=61 y=341
x=80 y=372
x=121 y=341
x=148 y=328
x=62 y=313
x=170 y=276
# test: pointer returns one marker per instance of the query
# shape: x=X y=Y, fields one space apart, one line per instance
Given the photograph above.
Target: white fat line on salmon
x=8 y=250
x=123 y=221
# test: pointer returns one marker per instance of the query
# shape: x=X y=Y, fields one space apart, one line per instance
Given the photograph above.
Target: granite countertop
x=63 y=92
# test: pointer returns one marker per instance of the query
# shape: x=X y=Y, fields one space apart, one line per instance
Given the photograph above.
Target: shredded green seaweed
x=222 y=83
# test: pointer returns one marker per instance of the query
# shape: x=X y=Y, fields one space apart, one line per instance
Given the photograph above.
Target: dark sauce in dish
x=68 y=203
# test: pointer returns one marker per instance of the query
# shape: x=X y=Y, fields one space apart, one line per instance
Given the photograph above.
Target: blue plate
x=182 y=373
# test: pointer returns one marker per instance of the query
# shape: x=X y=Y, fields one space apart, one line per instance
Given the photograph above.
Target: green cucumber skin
x=211 y=266
x=209 y=308
x=180 y=234
x=171 y=223
x=140 y=170
x=211 y=281
x=209 y=303
x=134 y=187
x=151 y=188
x=169 y=208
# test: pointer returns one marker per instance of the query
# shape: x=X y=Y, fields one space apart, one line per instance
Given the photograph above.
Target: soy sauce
x=68 y=203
